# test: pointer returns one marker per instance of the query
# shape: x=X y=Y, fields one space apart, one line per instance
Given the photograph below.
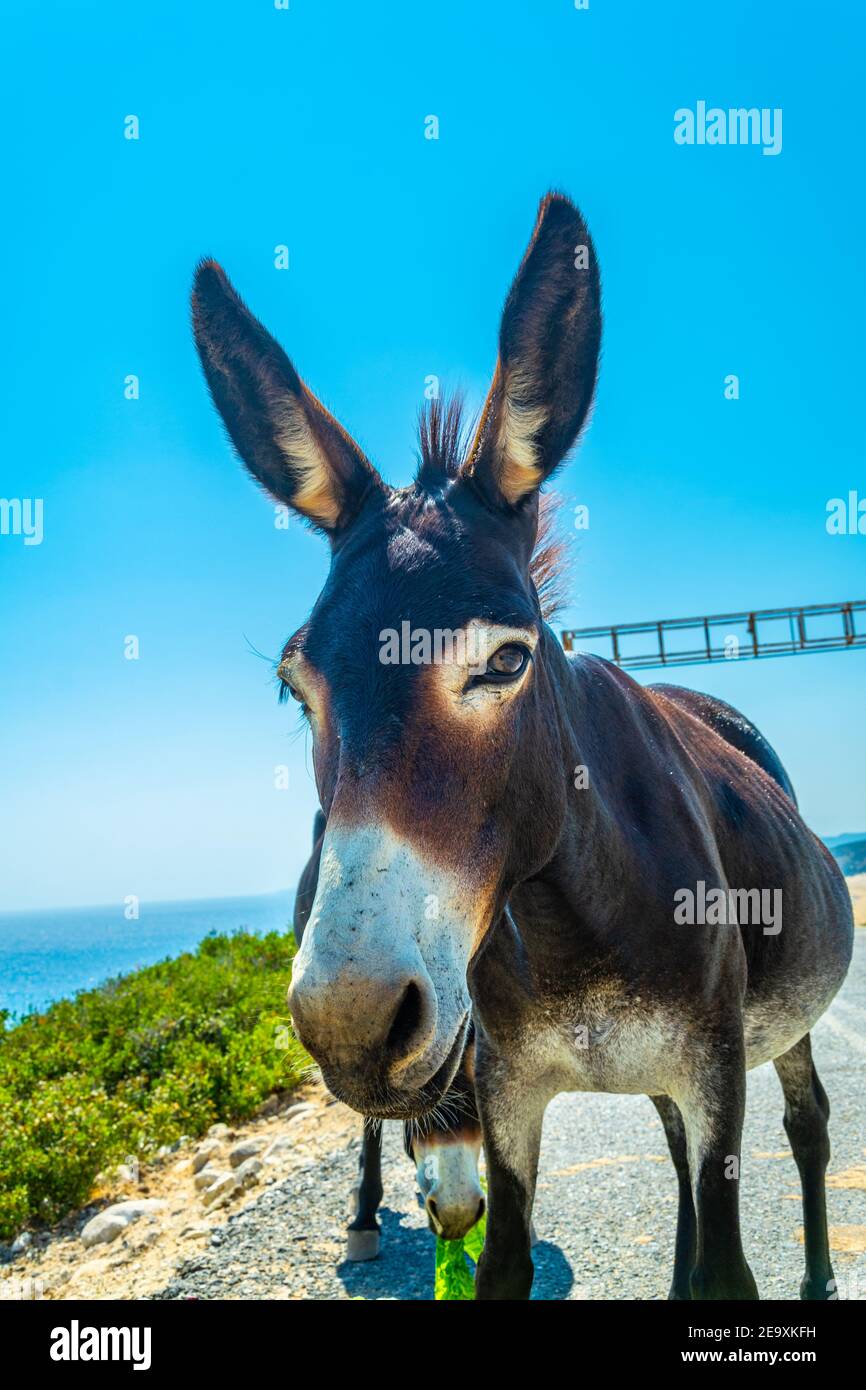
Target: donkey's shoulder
x=730 y=725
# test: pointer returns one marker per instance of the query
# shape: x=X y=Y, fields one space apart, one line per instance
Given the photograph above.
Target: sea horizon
x=47 y=954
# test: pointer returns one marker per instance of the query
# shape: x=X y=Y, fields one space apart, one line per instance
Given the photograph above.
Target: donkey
x=466 y=864
x=444 y=1146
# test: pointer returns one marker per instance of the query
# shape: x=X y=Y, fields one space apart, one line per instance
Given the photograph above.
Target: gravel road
x=606 y=1205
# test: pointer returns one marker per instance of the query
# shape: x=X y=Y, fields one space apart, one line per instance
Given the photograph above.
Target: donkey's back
x=798 y=957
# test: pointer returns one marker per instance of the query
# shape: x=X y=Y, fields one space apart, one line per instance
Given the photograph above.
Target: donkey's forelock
x=445 y=438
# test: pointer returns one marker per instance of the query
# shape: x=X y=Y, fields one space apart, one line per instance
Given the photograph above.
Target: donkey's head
x=425 y=668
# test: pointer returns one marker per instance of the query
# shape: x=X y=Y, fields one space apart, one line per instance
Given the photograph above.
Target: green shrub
x=124 y=1069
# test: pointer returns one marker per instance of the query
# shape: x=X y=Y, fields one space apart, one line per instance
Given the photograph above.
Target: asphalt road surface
x=606 y=1206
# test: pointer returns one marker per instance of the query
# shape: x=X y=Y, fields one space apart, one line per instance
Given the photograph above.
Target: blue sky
x=261 y=127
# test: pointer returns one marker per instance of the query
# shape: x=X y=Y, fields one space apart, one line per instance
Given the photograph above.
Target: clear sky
x=261 y=127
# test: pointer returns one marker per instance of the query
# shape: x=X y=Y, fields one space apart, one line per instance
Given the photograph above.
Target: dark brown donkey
x=444 y=1145
x=611 y=927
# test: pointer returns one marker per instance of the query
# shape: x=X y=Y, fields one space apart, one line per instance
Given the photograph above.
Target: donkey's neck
x=614 y=751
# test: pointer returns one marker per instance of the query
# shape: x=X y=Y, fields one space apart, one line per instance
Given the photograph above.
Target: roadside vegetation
x=123 y=1070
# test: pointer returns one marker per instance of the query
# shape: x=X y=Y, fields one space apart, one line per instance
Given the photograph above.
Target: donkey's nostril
x=433 y=1216
x=482 y=1207
x=406 y=1022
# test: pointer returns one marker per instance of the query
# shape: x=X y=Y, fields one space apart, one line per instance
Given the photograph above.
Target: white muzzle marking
x=382 y=916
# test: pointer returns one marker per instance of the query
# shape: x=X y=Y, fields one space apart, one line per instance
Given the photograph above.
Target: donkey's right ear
x=285 y=436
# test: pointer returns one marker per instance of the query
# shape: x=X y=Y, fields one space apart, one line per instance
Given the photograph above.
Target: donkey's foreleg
x=807 y=1111
x=712 y=1105
x=363 y=1234
x=512 y=1113
x=685 y=1245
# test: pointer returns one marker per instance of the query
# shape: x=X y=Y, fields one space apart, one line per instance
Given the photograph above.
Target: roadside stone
x=219 y=1132
x=301 y=1115
x=195 y=1232
x=108 y=1225
x=300 y=1107
x=220 y=1191
x=247 y=1173
x=204 y=1153
x=102 y=1229
x=282 y=1145
x=206 y=1177
x=249 y=1148
x=21 y=1243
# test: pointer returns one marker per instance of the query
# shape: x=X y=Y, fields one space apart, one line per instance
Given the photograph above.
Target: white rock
x=220 y=1192
x=247 y=1173
x=248 y=1149
x=300 y=1107
x=102 y=1229
x=282 y=1145
x=200 y=1228
x=138 y=1206
x=21 y=1243
x=308 y=1113
x=206 y=1151
x=108 y=1224
x=206 y=1177
x=218 y=1132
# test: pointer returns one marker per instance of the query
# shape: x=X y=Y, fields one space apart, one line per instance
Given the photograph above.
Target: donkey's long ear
x=286 y=438
x=548 y=359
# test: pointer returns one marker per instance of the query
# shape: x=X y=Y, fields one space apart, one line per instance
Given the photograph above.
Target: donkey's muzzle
x=379 y=994
x=366 y=1031
x=452 y=1218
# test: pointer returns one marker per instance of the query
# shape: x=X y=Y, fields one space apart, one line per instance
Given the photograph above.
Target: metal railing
x=764 y=632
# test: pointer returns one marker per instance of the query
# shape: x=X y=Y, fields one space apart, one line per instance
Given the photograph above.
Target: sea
x=51 y=953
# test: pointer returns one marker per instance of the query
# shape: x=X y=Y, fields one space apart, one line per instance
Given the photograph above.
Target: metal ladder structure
x=764 y=632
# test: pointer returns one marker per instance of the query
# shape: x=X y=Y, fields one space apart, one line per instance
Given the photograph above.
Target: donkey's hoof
x=362 y=1245
x=533 y=1236
x=819 y=1290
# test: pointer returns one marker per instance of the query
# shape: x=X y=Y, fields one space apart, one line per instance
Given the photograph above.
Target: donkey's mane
x=444 y=440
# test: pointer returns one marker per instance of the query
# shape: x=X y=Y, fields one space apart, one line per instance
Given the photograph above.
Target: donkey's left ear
x=548 y=359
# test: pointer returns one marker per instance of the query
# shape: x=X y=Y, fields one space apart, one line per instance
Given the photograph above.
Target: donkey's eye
x=506 y=664
x=291 y=692
x=288 y=689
